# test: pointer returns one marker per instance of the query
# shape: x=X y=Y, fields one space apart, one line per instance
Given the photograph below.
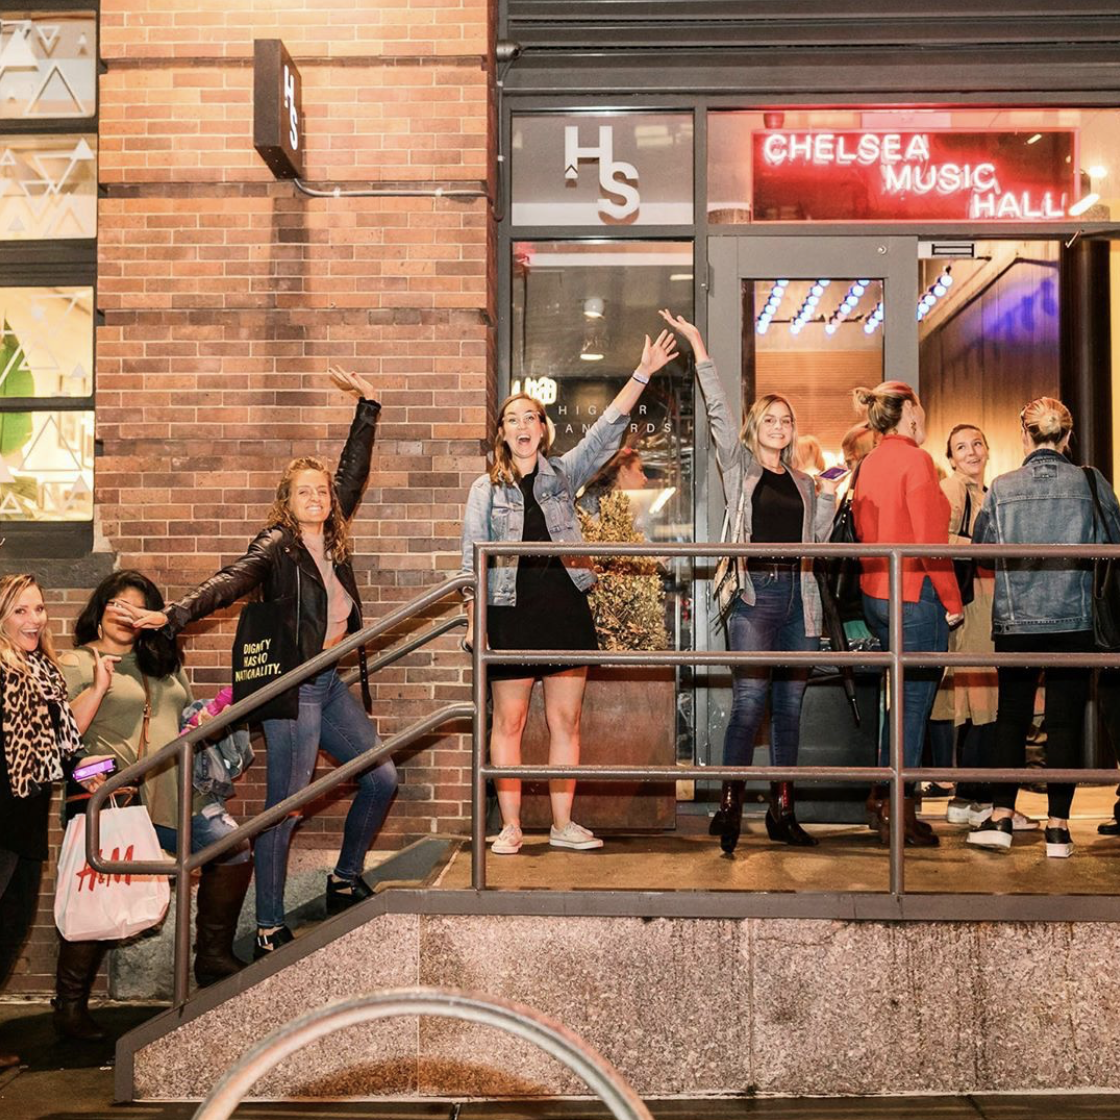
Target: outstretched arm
x=602 y=441
x=353 y=464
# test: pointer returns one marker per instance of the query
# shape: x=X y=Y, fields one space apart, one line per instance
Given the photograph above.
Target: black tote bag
x=264 y=650
x=1106 y=581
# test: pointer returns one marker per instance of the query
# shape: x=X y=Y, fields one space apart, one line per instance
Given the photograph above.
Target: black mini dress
x=551 y=612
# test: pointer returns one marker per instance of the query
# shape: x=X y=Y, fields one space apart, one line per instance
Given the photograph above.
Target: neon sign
x=913 y=176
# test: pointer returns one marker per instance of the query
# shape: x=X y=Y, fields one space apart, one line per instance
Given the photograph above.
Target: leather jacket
x=279 y=565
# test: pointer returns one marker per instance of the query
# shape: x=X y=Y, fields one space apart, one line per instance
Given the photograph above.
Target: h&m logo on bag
x=255 y=658
x=92 y=879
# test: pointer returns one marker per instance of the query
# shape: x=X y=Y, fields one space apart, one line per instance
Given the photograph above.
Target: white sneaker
x=573 y=835
x=959 y=811
x=508 y=842
x=978 y=813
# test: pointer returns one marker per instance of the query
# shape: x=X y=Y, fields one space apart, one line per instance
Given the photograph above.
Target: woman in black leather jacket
x=304 y=554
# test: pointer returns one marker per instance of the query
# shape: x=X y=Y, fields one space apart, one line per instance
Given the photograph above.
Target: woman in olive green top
x=132 y=710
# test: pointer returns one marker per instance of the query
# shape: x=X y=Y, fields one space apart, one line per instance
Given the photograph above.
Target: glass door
x=810 y=318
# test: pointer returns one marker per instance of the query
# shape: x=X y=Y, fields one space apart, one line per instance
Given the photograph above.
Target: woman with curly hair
x=303 y=555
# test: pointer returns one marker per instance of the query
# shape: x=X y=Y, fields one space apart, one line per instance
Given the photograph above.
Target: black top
x=23 y=820
x=551 y=612
x=777 y=510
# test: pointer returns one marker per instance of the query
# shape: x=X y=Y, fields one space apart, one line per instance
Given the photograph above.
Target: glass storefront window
x=580 y=314
x=46 y=342
x=608 y=169
x=46 y=466
x=48 y=65
x=48 y=187
x=913 y=165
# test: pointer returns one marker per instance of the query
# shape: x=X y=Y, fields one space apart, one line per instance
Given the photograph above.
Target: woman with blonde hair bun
x=1042 y=607
x=898 y=500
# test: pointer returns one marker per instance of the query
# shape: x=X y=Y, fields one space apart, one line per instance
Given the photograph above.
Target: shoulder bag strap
x=965 y=527
x=145 y=723
x=1091 y=478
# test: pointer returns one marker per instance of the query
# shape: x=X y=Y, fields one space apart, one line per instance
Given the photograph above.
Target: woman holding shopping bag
x=128 y=691
x=39 y=732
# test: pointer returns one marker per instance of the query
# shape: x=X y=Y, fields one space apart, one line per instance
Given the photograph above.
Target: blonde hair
x=11 y=656
x=336 y=529
x=883 y=404
x=749 y=434
x=810 y=455
x=503 y=468
x=1046 y=420
x=859 y=441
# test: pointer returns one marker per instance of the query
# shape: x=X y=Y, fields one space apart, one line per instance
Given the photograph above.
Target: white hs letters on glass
x=616 y=178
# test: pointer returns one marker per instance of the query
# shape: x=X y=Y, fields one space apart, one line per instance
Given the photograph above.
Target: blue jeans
x=923 y=628
x=331 y=719
x=775 y=622
x=208 y=825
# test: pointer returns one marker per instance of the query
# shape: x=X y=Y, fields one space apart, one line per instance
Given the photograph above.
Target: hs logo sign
x=616 y=178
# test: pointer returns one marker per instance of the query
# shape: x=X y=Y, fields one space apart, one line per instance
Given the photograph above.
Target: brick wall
x=227 y=294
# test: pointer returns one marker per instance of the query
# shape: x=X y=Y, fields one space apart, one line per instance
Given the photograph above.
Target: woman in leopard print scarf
x=38 y=730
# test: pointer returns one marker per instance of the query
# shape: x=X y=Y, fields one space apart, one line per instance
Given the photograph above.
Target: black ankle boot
x=344 y=893
x=732 y=816
x=78 y=962
x=726 y=796
x=781 y=823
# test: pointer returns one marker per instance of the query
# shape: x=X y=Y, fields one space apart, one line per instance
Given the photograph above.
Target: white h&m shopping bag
x=89 y=906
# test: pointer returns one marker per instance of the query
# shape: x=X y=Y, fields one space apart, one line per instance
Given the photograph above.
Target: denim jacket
x=1046 y=501
x=497 y=512
x=741 y=473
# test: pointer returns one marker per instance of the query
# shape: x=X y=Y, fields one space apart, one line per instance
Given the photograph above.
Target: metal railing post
x=897 y=725
x=182 y=956
x=478 y=740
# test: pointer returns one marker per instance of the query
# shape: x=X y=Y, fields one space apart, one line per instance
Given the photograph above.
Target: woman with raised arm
x=898 y=500
x=38 y=732
x=779 y=605
x=1042 y=607
x=539 y=602
x=303 y=555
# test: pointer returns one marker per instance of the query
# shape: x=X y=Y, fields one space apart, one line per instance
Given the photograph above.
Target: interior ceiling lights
x=935 y=291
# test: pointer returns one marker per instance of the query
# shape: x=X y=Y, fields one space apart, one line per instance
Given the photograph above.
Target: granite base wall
x=691 y=1007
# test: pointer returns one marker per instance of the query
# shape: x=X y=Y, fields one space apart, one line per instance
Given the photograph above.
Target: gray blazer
x=740 y=472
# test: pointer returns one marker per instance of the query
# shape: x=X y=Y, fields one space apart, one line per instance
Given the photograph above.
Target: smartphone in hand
x=833 y=472
x=101 y=766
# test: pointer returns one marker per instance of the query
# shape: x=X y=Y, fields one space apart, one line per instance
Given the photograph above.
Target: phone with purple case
x=101 y=766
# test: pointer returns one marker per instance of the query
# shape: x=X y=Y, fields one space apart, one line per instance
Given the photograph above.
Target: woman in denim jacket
x=539 y=602
x=779 y=604
x=1042 y=606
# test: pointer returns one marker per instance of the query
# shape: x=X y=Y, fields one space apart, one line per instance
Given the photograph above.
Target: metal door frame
x=733 y=258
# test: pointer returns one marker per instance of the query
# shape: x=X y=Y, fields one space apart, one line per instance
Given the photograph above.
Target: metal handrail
x=894 y=659
x=182 y=749
x=523 y=1022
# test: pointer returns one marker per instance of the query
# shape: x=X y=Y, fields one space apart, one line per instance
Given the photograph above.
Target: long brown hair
x=11 y=656
x=503 y=468
x=336 y=529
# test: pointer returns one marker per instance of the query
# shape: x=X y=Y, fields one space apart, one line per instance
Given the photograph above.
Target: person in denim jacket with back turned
x=539 y=602
x=1041 y=606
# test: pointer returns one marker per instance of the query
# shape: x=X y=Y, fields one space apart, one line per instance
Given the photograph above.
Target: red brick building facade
x=226 y=294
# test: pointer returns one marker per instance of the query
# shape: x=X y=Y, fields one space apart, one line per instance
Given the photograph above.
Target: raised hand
x=103 y=666
x=139 y=619
x=351 y=383
x=688 y=331
x=657 y=354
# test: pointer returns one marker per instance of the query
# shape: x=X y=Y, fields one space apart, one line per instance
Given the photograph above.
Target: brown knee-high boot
x=221 y=891
x=78 y=962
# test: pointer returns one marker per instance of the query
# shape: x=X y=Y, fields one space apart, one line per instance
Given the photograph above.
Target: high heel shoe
x=732 y=817
x=726 y=796
x=781 y=823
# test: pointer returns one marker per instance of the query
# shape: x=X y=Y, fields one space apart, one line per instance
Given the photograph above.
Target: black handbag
x=1106 y=580
x=965 y=569
x=264 y=649
x=842 y=573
